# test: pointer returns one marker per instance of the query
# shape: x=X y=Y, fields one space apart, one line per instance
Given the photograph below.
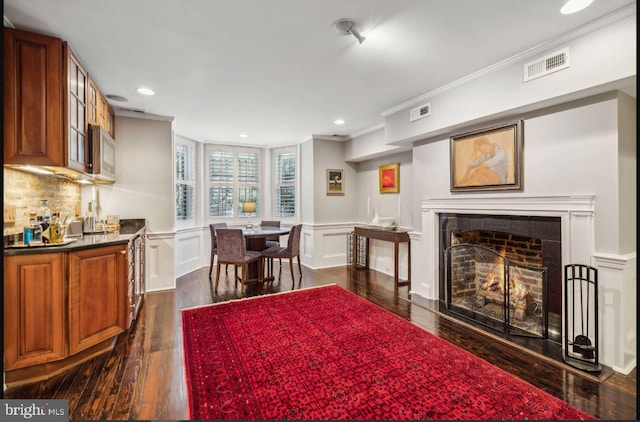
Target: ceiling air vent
x=547 y=64
x=420 y=112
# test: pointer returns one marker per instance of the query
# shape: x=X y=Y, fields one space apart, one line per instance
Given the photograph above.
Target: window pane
x=221 y=201
x=285 y=192
x=248 y=194
x=184 y=162
x=220 y=167
x=248 y=168
x=184 y=201
x=285 y=201
x=286 y=168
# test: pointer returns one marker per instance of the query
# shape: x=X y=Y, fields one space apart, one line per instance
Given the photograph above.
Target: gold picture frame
x=335 y=182
x=488 y=159
x=389 y=177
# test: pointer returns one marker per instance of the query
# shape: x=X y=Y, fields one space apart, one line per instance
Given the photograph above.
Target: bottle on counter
x=90 y=219
x=43 y=217
x=37 y=228
x=55 y=229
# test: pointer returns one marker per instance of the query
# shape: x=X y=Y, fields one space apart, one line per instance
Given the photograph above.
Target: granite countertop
x=129 y=229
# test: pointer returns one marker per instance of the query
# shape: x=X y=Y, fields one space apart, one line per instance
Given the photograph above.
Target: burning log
x=520 y=297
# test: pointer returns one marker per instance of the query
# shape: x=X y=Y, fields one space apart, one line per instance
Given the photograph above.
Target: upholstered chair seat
x=291 y=251
x=231 y=249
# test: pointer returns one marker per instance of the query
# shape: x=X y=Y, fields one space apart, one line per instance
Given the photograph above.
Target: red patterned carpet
x=326 y=353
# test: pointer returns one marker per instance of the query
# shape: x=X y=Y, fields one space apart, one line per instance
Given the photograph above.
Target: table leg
x=396 y=267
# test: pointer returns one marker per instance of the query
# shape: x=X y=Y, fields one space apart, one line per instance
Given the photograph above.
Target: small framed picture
x=487 y=160
x=389 y=178
x=335 y=182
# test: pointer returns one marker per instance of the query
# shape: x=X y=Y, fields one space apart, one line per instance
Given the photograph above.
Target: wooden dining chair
x=272 y=240
x=232 y=249
x=291 y=251
x=214 y=247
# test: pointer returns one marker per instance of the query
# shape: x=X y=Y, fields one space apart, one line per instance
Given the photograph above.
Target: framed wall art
x=488 y=159
x=335 y=182
x=389 y=178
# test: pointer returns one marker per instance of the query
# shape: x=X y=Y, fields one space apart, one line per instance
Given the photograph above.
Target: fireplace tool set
x=581 y=313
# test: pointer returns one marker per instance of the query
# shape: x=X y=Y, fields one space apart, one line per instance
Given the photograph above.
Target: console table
x=390 y=235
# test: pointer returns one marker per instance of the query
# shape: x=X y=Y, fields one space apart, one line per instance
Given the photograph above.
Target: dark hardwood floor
x=143 y=376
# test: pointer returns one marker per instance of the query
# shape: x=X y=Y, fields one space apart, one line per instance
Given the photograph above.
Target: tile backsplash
x=24 y=191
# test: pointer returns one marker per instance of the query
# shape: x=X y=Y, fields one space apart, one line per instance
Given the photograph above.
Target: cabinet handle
x=123 y=252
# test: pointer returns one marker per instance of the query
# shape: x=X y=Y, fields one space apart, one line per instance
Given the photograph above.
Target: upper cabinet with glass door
x=47 y=102
x=77 y=128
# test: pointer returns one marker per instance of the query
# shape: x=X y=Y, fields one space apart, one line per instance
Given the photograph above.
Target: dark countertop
x=129 y=229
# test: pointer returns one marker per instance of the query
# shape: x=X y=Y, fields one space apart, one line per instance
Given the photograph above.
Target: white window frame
x=275 y=152
x=238 y=217
x=189 y=181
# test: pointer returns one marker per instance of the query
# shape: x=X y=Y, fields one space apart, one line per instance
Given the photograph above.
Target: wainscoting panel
x=191 y=252
x=160 y=271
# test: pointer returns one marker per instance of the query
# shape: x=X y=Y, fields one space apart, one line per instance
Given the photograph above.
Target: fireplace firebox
x=503 y=273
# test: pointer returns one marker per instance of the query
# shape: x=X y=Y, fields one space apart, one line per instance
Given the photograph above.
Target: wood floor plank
x=142 y=378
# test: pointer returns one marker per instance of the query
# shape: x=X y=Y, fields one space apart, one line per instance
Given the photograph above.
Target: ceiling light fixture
x=346 y=27
x=573 y=6
x=145 y=91
x=115 y=97
x=243 y=135
x=338 y=121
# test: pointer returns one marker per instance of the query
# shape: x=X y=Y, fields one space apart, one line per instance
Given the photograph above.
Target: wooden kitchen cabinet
x=92 y=103
x=34 y=309
x=98 y=300
x=33 y=99
x=75 y=104
x=99 y=112
x=48 y=103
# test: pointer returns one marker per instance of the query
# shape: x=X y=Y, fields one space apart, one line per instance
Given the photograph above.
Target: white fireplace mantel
x=514 y=205
x=577 y=218
x=576 y=213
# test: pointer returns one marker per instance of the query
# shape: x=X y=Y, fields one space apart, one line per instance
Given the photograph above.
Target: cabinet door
x=92 y=103
x=77 y=85
x=110 y=123
x=33 y=99
x=98 y=301
x=34 y=296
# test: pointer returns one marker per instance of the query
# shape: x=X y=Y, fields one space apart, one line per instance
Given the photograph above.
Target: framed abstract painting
x=488 y=159
x=389 y=178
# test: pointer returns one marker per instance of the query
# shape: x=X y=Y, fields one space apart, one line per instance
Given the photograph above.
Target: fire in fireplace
x=503 y=272
x=497 y=291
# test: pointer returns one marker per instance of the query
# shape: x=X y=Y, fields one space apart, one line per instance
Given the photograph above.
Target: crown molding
x=595 y=25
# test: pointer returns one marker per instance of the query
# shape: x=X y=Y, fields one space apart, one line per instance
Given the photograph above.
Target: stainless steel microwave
x=102 y=150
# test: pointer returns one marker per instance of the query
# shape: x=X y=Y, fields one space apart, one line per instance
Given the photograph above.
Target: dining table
x=256 y=240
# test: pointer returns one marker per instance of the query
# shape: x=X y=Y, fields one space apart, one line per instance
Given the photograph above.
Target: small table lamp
x=249 y=208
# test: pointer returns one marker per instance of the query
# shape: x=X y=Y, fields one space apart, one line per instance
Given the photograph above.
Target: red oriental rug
x=326 y=353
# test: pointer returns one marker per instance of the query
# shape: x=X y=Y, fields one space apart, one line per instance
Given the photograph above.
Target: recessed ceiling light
x=145 y=91
x=338 y=121
x=243 y=135
x=573 y=6
x=117 y=98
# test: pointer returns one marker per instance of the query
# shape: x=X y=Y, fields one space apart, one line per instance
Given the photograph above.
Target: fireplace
x=503 y=272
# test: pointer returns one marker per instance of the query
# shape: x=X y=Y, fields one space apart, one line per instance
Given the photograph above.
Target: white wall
x=332 y=208
x=144 y=189
x=627 y=172
x=600 y=61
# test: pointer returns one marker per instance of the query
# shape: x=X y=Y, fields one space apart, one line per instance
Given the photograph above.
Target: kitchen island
x=65 y=304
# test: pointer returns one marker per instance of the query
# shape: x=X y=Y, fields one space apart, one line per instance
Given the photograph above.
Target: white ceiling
x=275 y=69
